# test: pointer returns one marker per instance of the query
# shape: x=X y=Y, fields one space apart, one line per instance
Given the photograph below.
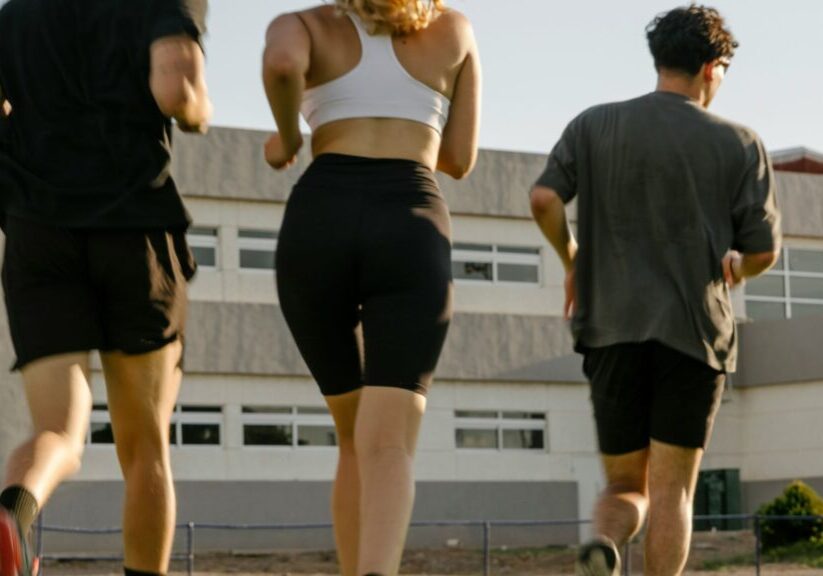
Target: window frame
x=500 y=424
x=257 y=244
x=496 y=256
x=293 y=419
x=787 y=275
x=196 y=239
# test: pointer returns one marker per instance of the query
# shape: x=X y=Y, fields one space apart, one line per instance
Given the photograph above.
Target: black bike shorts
x=646 y=390
x=364 y=272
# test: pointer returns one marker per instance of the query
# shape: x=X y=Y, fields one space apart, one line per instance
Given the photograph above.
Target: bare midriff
x=378 y=138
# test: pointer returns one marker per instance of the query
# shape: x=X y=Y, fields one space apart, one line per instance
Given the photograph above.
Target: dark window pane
x=266 y=234
x=472 y=247
x=475 y=414
x=766 y=286
x=266 y=435
x=524 y=415
x=173 y=434
x=100 y=408
x=197 y=231
x=266 y=410
x=806 y=288
x=518 y=273
x=101 y=433
x=765 y=310
x=316 y=436
x=257 y=259
x=805 y=260
x=523 y=439
x=312 y=410
x=472 y=271
x=799 y=310
x=517 y=250
x=211 y=409
x=469 y=438
x=201 y=434
x=204 y=256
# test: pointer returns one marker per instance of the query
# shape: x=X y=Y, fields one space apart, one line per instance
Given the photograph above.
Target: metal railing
x=486 y=525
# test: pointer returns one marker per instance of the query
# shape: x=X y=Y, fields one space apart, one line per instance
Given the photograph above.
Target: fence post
x=487 y=528
x=627 y=558
x=39 y=552
x=757 y=545
x=190 y=548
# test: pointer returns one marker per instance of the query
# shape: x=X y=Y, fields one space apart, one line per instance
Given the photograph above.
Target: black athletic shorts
x=646 y=390
x=70 y=290
x=364 y=272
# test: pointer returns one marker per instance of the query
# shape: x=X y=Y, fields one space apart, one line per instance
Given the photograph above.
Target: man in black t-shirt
x=675 y=206
x=95 y=254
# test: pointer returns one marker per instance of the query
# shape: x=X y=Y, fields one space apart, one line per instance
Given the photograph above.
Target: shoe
x=598 y=557
x=15 y=556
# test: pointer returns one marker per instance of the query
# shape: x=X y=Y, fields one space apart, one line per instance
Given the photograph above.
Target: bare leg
x=346 y=494
x=672 y=479
x=59 y=399
x=388 y=423
x=621 y=508
x=142 y=391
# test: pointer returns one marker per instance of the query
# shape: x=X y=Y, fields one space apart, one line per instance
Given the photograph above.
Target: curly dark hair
x=686 y=38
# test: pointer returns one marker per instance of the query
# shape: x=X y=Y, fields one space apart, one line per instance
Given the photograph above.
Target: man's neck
x=677 y=83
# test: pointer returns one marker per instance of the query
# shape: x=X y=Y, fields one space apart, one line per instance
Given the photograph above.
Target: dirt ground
x=709 y=551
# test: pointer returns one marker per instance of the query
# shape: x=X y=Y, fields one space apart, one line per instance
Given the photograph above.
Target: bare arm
x=178 y=84
x=458 y=148
x=286 y=62
x=549 y=212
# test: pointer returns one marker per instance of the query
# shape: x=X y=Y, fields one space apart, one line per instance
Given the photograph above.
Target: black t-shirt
x=664 y=190
x=86 y=145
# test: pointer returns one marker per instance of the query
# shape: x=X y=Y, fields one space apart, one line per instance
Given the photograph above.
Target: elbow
x=543 y=200
x=765 y=260
x=279 y=65
x=455 y=166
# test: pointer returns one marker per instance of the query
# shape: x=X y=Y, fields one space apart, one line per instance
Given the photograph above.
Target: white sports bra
x=378 y=87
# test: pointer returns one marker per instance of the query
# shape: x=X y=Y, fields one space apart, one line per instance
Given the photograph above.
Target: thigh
x=142 y=280
x=317 y=289
x=620 y=395
x=687 y=395
x=51 y=305
x=142 y=391
x=407 y=292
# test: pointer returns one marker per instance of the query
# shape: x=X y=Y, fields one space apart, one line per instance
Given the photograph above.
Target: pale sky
x=546 y=60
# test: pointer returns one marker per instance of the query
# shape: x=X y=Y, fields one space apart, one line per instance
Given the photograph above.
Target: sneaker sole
x=11 y=555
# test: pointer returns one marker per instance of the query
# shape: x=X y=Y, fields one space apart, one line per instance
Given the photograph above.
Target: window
x=476 y=263
x=203 y=244
x=491 y=430
x=257 y=249
x=196 y=426
x=793 y=288
x=190 y=426
x=100 y=431
x=287 y=426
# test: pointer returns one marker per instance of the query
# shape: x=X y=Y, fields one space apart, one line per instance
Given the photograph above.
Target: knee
x=143 y=452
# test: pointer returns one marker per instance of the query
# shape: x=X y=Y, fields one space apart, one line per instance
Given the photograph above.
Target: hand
x=5 y=108
x=280 y=156
x=570 y=285
x=732 y=273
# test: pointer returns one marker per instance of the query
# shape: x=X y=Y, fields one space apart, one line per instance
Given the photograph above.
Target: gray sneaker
x=598 y=557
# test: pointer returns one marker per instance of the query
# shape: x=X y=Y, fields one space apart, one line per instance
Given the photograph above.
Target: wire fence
x=487 y=527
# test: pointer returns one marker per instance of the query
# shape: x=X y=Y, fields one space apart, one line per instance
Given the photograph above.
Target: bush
x=798 y=499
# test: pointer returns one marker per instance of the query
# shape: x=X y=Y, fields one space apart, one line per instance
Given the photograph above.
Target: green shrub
x=798 y=499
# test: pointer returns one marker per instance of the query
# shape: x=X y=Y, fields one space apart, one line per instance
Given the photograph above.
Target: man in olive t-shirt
x=675 y=206
x=95 y=254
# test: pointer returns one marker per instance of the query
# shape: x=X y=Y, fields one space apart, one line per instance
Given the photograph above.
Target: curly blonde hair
x=395 y=16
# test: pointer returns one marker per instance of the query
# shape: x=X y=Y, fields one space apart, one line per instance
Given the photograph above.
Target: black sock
x=22 y=505
x=130 y=572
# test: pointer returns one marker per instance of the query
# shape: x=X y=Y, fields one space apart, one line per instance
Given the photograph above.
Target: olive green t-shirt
x=664 y=190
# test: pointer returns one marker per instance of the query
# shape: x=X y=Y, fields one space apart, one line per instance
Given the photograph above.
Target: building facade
x=508 y=434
